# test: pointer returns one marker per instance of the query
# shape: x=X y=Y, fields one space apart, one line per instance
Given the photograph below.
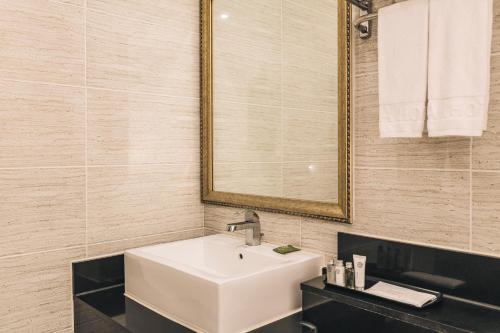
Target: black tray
x=370 y=281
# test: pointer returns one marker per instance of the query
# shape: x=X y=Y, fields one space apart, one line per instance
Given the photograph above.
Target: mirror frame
x=339 y=212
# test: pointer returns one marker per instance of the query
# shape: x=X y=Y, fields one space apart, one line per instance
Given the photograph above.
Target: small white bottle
x=330 y=272
x=339 y=273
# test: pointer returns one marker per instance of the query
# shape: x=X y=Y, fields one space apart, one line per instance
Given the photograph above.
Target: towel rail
x=362 y=23
x=358 y=23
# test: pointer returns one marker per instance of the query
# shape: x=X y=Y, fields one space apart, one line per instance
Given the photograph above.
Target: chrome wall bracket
x=365 y=5
x=362 y=24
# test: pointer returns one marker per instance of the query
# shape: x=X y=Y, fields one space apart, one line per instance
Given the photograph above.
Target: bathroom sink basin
x=216 y=284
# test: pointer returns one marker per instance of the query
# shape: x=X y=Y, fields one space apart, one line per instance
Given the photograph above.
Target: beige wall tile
x=277 y=229
x=320 y=236
x=309 y=79
x=239 y=64
x=36 y=291
x=41 y=125
x=41 y=41
x=127 y=128
x=146 y=48
x=422 y=206
x=373 y=151
x=301 y=21
x=486 y=212
x=71 y=2
x=246 y=133
x=495 y=44
x=247 y=55
x=328 y=7
x=365 y=58
x=119 y=246
x=309 y=136
x=127 y=202
x=486 y=149
x=249 y=178
x=209 y=232
x=258 y=21
x=41 y=209
x=184 y=14
x=247 y=51
x=66 y=330
x=141 y=57
x=317 y=181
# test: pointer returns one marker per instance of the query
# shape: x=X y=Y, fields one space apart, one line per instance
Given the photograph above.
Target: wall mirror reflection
x=275 y=105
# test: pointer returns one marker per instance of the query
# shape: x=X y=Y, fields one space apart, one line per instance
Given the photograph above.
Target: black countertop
x=108 y=310
x=468 y=282
x=449 y=315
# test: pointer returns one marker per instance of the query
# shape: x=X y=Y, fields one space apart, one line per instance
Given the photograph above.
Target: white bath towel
x=402 y=61
x=459 y=66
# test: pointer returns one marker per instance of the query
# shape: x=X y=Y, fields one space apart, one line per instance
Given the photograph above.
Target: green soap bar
x=286 y=249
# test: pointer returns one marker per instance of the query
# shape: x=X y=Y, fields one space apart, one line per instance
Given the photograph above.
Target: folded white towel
x=402 y=61
x=459 y=66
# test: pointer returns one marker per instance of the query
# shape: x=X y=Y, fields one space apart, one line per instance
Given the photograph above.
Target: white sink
x=216 y=284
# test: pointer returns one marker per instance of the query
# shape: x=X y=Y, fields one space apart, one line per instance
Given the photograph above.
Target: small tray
x=370 y=281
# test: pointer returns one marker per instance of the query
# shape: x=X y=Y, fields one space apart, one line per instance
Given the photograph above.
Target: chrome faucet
x=252 y=227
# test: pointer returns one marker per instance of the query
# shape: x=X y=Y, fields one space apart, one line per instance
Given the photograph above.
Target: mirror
x=275 y=106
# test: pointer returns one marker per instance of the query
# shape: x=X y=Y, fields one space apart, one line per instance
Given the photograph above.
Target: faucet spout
x=252 y=227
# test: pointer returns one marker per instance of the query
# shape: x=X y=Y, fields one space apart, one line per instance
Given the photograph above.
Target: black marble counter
x=100 y=304
x=450 y=315
x=470 y=285
x=109 y=311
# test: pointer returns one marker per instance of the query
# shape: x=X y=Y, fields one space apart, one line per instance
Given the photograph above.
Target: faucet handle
x=251 y=216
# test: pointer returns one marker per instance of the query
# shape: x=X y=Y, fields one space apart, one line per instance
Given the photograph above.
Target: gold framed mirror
x=275 y=106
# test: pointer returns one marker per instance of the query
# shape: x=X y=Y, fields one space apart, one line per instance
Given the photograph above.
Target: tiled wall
x=275 y=98
x=442 y=192
x=99 y=142
x=93 y=160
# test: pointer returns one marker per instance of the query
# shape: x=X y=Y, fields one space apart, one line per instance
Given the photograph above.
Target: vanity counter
x=449 y=315
x=101 y=306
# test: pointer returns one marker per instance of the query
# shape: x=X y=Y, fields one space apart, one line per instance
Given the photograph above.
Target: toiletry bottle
x=359 y=271
x=349 y=275
x=339 y=273
x=330 y=272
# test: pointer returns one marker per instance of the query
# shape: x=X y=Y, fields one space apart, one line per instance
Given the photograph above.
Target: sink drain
x=241 y=256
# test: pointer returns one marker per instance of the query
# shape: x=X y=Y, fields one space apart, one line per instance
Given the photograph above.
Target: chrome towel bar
x=362 y=23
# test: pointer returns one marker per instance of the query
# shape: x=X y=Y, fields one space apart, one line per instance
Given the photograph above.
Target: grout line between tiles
x=67 y=3
x=136 y=92
x=135 y=19
x=146 y=236
x=275 y=106
x=470 y=193
x=282 y=110
x=17 y=255
x=142 y=165
x=301 y=220
x=44 y=167
x=311 y=8
x=86 y=126
x=142 y=93
x=486 y=170
x=43 y=83
x=83 y=166
x=413 y=169
x=203 y=221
